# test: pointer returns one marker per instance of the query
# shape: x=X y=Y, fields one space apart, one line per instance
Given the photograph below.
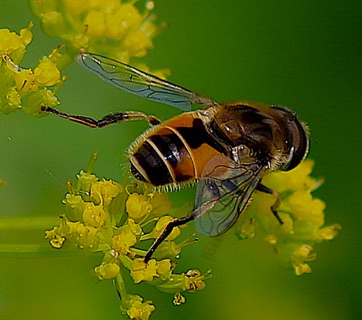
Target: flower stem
x=27 y=223
x=121 y=286
x=17 y=237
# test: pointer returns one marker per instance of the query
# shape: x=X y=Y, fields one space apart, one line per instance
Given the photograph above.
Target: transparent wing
x=219 y=203
x=141 y=83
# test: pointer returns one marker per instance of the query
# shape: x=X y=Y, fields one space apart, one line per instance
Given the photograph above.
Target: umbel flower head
x=302 y=215
x=26 y=89
x=103 y=216
x=115 y=28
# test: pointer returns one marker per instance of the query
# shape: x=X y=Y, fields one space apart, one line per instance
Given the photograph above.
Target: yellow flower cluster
x=302 y=215
x=26 y=89
x=153 y=269
x=135 y=308
x=117 y=29
x=114 y=28
x=103 y=216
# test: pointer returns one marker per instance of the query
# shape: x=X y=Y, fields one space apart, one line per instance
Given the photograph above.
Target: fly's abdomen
x=174 y=152
x=163 y=158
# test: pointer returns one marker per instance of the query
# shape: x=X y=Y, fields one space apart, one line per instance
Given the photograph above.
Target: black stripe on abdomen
x=175 y=153
x=152 y=164
x=169 y=145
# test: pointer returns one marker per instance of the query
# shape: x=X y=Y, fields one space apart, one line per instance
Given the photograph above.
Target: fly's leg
x=274 y=208
x=166 y=232
x=105 y=121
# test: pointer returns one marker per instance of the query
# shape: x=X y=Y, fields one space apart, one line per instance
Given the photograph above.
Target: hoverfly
x=226 y=148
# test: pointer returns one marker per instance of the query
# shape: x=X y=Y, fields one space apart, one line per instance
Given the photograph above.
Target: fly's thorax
x=267 y=134
x=246 y=125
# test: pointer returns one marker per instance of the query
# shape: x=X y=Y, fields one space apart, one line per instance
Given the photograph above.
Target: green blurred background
x=303 y=54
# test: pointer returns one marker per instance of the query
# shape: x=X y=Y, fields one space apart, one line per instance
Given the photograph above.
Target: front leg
x=105 y=121
x=274 y=208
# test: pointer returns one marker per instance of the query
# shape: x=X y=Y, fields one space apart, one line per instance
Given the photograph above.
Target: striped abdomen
x=173 y=152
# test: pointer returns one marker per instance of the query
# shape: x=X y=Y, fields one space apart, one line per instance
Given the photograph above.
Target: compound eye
x=299 y=144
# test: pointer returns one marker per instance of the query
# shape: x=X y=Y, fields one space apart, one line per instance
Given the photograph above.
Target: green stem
x=92 y=162
x=21 y=250
x=121 y=287
x=27 y=223
x=23 y=236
